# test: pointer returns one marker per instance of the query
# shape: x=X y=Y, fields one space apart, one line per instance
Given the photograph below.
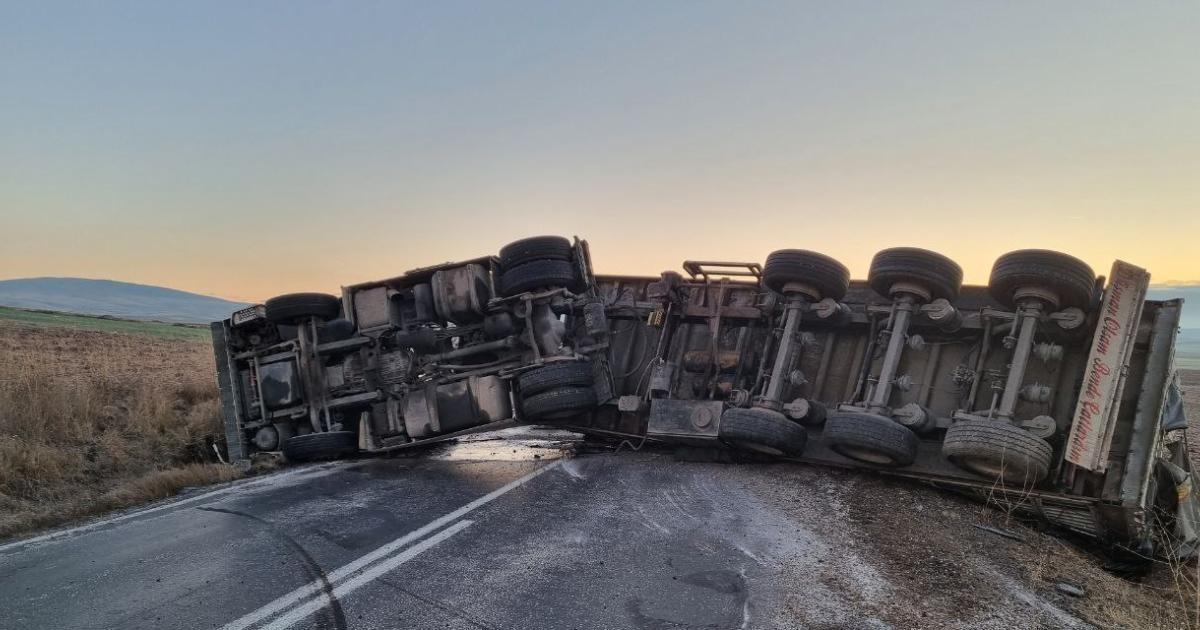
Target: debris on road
x=1000 y=532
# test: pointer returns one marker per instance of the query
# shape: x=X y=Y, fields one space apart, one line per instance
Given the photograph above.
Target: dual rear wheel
x=996 y=450
x=557 y=391
x=762 y=431
x=539 y=262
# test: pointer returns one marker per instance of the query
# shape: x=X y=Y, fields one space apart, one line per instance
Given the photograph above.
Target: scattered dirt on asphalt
x=933 y=567
x=941 y=570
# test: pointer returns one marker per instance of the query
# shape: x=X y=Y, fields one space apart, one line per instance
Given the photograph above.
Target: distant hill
x=116 y=299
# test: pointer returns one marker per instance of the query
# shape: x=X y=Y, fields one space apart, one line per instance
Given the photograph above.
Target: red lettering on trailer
x=1088 y=442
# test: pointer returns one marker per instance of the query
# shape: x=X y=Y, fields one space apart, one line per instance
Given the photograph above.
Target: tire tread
x=872 y=432
x=760 y=426
x=938 y=274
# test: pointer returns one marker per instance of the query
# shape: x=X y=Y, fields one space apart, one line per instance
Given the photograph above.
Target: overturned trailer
x=1045 y=391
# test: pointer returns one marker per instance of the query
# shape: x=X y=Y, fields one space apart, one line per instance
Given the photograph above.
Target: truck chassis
x=1044 y=392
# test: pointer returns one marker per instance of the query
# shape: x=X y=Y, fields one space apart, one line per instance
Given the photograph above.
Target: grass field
x=98 y=414
x=159 y=330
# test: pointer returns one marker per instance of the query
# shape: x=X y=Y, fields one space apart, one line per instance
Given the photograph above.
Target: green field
x=9 y=316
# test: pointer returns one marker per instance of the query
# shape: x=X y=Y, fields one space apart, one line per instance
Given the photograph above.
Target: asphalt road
x=479 y=535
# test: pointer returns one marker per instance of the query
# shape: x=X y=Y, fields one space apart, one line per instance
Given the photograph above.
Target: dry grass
x=1168 y=598
x=1173 y=587
x=1185 y=575
x=92 y=421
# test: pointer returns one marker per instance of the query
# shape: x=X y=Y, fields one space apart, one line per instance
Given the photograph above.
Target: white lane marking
x=366 y=577
x=236 y=486
x=314 y=587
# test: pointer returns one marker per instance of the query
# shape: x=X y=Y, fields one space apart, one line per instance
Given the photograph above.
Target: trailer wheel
x=552 y=375
x=293 y=307
x=762 y=431
x=931 y=271
x=315 y=446
x=998 y=450
x=1072 y=279
x=561 y=402
x=535 y=248
x=828 y=276
x=871 y=438
x=537 y=275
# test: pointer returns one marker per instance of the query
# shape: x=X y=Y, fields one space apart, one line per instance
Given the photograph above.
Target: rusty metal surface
x=684 y=418
x=962 y=369
x=669 y=347
x=235 y=437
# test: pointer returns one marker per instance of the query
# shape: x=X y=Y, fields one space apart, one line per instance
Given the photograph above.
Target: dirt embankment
x=918 y=557
x=948 y=571
x=1190 y=380
x=93 y=421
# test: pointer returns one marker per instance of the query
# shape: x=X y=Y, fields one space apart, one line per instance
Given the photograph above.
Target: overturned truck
x=1047 y=390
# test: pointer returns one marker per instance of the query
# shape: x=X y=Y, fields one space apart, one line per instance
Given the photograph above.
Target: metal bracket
x=684 y=418
x=705 y=268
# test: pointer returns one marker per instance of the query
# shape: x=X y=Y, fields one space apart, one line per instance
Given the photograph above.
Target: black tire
x=1072 y=279
x=553 y=375
x=316 y=446
x=932 y=271
x=762 y=431
x=998 y=450
x=871 y=438
x=535 y=248
x=827 y=275
x=294 y=307
x=539 y=274
x=557 y=403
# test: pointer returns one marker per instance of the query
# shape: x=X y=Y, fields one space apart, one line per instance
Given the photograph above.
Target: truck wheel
x=931 y=271
x=871 y=438
x=762 y=431
x=1072 y=279
x=998 y=450
x=293 y=307
x=535 y=248
x=828 y=276
x=537 y=275
x=315 y=446
x=553 y=375
x=561 y=402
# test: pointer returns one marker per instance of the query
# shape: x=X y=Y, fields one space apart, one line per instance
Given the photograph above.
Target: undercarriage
x=1043 y=391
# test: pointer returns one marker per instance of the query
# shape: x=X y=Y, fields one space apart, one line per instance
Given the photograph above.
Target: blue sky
x=173 y=143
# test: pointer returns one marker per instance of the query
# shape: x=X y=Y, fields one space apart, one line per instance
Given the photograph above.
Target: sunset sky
x=249 y=149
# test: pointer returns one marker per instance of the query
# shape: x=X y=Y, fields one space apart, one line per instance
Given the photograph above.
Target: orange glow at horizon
x=327 y=145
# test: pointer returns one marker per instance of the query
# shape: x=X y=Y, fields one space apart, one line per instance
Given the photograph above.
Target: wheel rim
x=761 y=448
x=866 y=455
